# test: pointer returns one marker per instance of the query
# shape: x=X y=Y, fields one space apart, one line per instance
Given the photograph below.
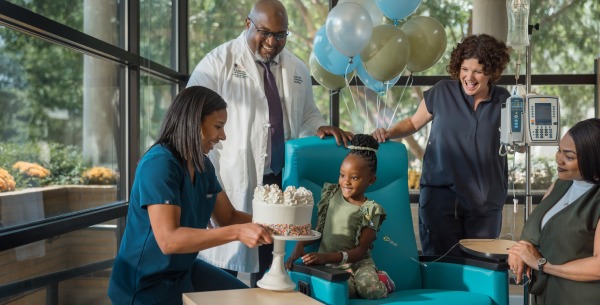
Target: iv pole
x=528 y=298
x=528 y=199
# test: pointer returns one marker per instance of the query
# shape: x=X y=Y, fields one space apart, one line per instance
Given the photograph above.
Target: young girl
x=348 y=222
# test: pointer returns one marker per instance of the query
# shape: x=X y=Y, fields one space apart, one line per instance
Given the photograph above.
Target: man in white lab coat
x=234 y=70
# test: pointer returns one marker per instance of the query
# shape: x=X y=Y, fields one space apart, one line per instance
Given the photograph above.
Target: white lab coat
x=239 y=161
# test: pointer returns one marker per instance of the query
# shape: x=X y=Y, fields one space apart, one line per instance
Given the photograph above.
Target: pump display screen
x=543 y=114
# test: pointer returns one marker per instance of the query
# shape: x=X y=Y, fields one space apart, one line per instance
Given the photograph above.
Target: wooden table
x=252 y=296
x=487 y=248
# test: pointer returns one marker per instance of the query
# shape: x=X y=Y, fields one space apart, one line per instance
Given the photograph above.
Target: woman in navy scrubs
x=174 y=194
x=464 y=181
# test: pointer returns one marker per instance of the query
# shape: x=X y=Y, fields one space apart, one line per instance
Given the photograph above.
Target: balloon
x=349 y=28
x=324 y=77
x=371 y=7
x=427 y=40
x=387 y=53
x=398 y=9
x=373 y=84
x=329 y=57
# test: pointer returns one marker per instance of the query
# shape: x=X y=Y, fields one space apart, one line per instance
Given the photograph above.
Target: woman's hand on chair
x=381 y=134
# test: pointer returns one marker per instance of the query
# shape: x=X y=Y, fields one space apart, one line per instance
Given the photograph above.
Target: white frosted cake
x=283 y=213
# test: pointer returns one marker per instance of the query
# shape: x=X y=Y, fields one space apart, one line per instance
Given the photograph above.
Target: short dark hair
x=181 y=130
x=586 y=135
x=490 y=52
x=362 y=141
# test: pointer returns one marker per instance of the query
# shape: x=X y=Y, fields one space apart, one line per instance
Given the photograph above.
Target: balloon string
x=346 y=102
x=366 y=120
x=410 y=78
x=379 y=102
x=387 y=85
x=351 y=94
x=378 y=107
x=386 y=102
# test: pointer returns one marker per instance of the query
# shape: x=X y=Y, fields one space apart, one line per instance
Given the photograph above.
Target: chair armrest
x=490 y=264
x=483 y=276
x=327 y=285
x=321 y=271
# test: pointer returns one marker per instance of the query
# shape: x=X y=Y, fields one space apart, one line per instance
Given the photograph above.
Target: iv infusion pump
x=531 y=119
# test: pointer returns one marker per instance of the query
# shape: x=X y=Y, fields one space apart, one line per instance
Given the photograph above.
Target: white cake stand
x=277 y=277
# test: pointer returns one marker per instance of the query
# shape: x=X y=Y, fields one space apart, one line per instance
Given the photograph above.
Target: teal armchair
x=310 y=162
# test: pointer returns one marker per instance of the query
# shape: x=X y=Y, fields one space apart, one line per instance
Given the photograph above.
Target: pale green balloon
x=371 y=7
x=326 y=78
x=387 y=53
x=427 y=40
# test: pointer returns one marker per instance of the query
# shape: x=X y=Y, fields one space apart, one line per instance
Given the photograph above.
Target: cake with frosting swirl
x=286 y=212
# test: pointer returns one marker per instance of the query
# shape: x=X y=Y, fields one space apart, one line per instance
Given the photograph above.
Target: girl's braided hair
x=365 y=146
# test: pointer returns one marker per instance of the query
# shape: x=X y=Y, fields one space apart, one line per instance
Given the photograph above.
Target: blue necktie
x=275 y=120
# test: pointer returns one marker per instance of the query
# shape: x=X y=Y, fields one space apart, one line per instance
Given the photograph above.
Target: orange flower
x=32 y=170
x=7 y=182
x=100 y=175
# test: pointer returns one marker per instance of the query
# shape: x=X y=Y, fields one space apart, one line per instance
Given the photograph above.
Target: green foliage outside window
x=64 y=162
x=542 y=173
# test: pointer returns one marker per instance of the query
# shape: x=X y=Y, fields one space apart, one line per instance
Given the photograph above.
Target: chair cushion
x=428 y=297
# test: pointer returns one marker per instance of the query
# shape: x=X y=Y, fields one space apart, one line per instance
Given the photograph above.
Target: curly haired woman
x=464 y=180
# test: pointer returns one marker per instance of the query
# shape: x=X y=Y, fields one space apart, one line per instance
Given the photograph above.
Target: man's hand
x=339 y=135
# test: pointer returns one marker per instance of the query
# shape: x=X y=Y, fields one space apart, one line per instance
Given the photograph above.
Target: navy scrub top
x=462 y=150
x=142 y=274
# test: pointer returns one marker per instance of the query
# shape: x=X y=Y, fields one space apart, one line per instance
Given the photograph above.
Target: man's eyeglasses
x=266 y=34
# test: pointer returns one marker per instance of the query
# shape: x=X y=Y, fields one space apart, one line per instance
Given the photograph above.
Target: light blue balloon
x=329 y=57
x=372 y=83
x=398 y=9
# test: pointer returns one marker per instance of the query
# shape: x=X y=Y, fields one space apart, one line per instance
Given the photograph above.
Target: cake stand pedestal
x=277 y=277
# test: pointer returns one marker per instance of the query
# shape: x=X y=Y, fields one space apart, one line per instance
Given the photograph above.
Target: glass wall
x=156 y=96
x=80 y=99
x=100 y=19
x=557 y=48
x=60 y=129
x=157 y=31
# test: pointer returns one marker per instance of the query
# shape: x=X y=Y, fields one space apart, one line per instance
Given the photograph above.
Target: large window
x=100 y=19
x=157 y=31
x=80 y=100
x=567 y=42
x=156 y=97
x=60 y=128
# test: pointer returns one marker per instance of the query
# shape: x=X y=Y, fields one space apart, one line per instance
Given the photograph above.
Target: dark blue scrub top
x=142 y=274
x=462 y=150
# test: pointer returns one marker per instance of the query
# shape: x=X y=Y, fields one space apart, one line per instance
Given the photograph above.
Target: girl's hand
x=298 y=252
x=314 y=258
